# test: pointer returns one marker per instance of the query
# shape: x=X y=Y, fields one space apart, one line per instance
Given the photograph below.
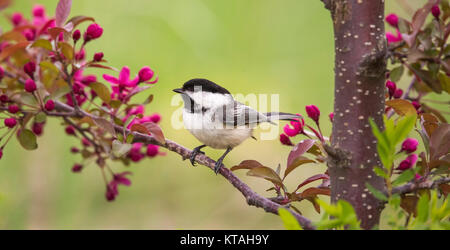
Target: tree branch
x=414 y=186
x=252 y=198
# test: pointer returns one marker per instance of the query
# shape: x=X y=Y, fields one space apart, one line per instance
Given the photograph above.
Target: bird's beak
x=180 y=91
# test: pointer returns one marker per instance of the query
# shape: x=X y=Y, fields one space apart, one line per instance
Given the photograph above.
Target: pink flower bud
x=331 y=115
x=1 y=153
x=4 y=98
x=49 y=105
x=392 y=19
x=30 y=35
x=94 y=31
x=284 y=139
x=398 y=93
x=436 y=11
x=145 y=74
x=98 y=56
x=417 y=177
x=13 y=108
x=76 y=35
x=77 y=168
x=2 y=73
x=408 y=163
x=74 y=150
x=410 y=145
x=155 y=118
x=30 y=68
x=391 y=38
x=152 y=150
x=80 y=55
x=30 y=85
x=416 y=104
x=86 y=80
x=313 y=112
x=391 y=87
x=70 y=130
x=85 y=142
x=17 y=18
x=10 y=122
x=38 y=11
x=37 y=128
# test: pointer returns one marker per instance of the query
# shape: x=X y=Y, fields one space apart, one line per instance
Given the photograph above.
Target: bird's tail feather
x=275 y=116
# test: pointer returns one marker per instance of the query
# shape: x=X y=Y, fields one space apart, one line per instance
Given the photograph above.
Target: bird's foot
x=218 y=166
x=194 y=153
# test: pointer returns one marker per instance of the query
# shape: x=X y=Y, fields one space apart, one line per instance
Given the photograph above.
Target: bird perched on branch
x=217 y=120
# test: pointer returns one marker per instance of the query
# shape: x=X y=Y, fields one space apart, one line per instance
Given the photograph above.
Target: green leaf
x=60 y=92
x=380 y=172
x=376 y=193
x=40 y=117
x=289 y=220
x=423 y=208
x=66 y=50
x=102 y=91
x=43 y=43
x=396 y=73
x=119 y=149
x=404 y=177
x=27 y=139
x=404 y=126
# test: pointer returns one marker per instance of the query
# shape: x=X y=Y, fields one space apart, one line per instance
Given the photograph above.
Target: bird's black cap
x=205 y=85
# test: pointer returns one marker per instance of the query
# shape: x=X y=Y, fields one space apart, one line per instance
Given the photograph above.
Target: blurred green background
x=248 y=46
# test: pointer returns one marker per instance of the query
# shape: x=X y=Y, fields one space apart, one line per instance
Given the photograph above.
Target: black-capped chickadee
x=212 y=115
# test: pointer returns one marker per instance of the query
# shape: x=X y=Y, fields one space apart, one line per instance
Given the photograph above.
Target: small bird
x=218 y=121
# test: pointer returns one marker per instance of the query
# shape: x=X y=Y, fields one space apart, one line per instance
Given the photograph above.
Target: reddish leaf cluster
x=43 y=60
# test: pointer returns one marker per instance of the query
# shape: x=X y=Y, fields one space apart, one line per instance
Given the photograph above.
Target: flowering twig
x=252 y=198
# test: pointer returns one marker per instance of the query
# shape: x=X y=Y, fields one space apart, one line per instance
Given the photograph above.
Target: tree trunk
x=360 y=68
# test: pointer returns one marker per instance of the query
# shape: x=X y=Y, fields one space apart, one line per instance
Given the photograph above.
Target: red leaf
x=266 y=173
x=62 y=11
x=247 y=164
x=76 y=20
x=312 y=191
x=313 y=178
x=139 y=128
x=10 y=50
x=299 y=150
x=156 y=131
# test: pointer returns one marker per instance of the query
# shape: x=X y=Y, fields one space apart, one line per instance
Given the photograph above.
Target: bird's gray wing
x=237 y=114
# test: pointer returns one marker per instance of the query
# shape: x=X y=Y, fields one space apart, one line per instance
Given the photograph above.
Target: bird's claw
x=218 y=166
x=194 y=153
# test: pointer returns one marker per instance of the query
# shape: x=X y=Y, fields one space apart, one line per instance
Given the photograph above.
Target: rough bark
x=360 y=68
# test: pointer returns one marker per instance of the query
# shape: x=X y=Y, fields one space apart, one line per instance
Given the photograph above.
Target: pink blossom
x=284 y=139
x=398 y=93
x=10 y=122
x=17 y=18
x=152 y=150
x=392 y=19
x=436 y=11
x=391 y=38
x=76 y=35
x=112 y=188
x=295 y=128
x=38 y=10
x=145 y=74
x=313 y=112
x=410 y=145
x=391 y=87
x=408 y=163
x=13 y=108
x=30 y=85
x=98 y=56
x=123 y=80
x=94 y=31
